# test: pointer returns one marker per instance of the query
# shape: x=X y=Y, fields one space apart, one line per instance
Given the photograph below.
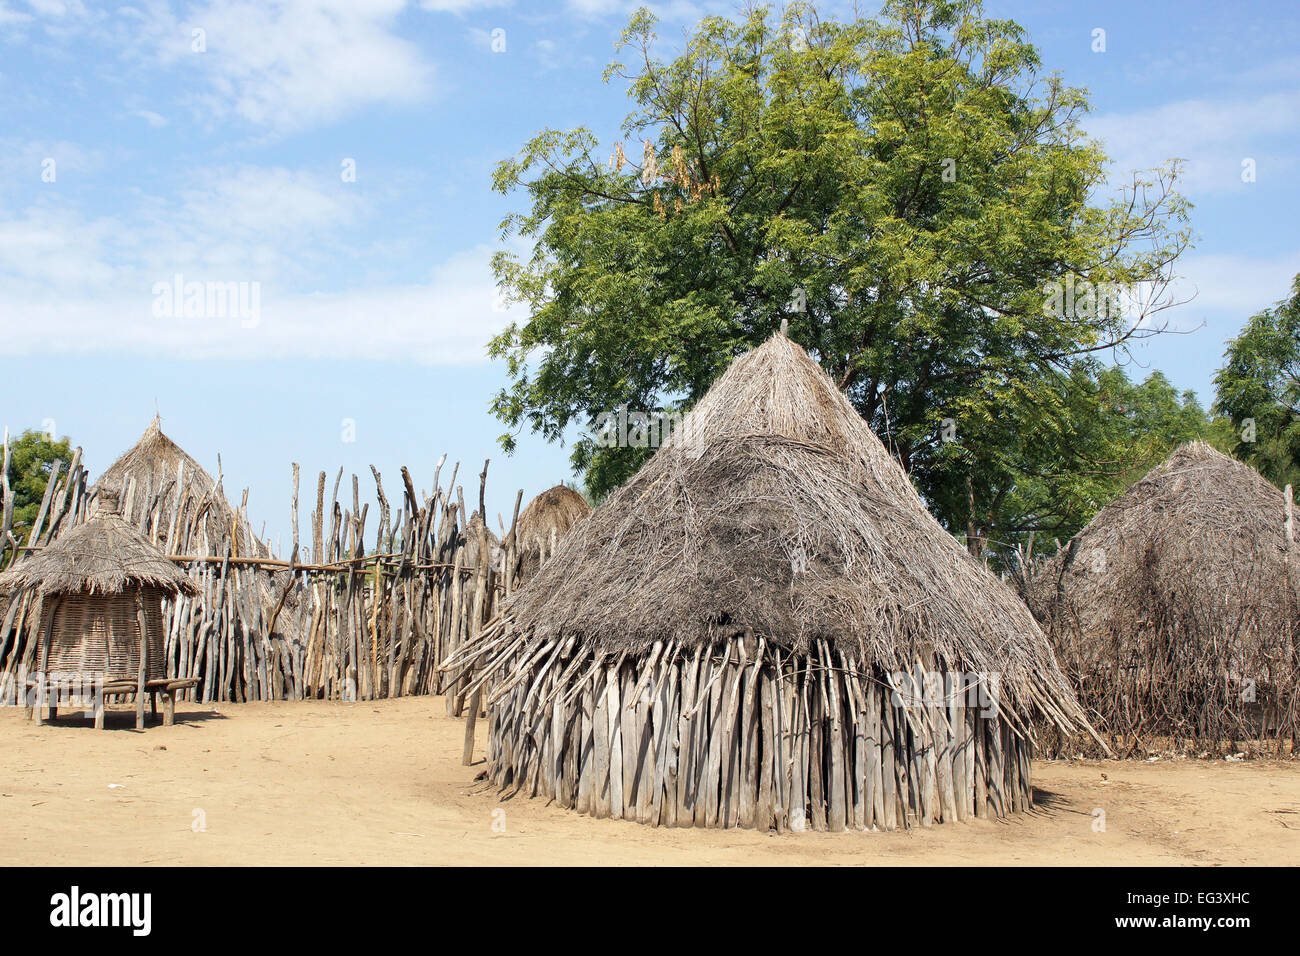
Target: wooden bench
x=166 y=687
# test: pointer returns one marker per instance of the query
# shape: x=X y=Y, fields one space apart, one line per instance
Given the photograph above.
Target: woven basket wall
x=98 y=634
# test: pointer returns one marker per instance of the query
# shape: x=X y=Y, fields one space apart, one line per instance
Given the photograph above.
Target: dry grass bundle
x=104 y=555
x=745 y=618
x=1175 y=611
x=542 y=525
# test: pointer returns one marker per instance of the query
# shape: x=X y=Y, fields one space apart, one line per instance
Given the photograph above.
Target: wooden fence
x=336 y=619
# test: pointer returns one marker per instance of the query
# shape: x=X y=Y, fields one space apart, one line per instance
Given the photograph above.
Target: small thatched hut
x=542 y=525
x=1175 y=611
x=101 y=586
x=765 y=627
x=167 y=494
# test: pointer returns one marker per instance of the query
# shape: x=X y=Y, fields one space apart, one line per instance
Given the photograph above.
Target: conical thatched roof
x=775 y=510
x=1201 y=524
x=1176 y=596
x=542 y=525
x=1201 y=530
x=145 y=478
x=155 y=460
x=104 y=555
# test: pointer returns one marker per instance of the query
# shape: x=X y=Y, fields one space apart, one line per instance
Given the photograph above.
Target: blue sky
x=227 y=164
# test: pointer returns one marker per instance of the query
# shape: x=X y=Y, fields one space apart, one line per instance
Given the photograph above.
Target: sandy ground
x=382 y=783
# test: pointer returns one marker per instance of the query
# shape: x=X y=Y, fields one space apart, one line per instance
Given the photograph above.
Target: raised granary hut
x=543 y=524
x=1175 y=611
x=766 y=628
x=101 y=586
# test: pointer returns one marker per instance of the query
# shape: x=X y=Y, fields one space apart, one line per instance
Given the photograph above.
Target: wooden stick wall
x=337 y=619
x=739 y=734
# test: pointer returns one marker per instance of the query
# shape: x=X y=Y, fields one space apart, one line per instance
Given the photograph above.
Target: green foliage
x=32 y=458
x=1048 y=472
x=1260 y=382
x=902 y=190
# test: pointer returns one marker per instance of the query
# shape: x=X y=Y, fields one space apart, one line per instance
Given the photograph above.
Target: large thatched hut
x=1175 y=611
x=101 y=586
x=542 y=525
x=765 y=627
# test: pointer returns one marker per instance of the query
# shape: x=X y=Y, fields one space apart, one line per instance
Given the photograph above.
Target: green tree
x=33 y=455
x=1259 y=390
x=903 y=190
x=1047 y=476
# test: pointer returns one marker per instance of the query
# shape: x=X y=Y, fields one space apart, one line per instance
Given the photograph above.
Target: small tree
x=1259 y=389
x=33 y=456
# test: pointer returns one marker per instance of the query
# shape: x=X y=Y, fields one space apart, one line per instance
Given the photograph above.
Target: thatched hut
x=167 y=494
x=101 y=585
x=542 y=525
x=1175 y=611
x=765 y=627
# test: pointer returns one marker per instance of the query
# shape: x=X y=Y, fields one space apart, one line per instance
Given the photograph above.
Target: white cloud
x=52 y=247
x=1212 y=135
x=53 y=8
x=548 y=57
x=1237 y=284
x=461 y=7
x=22 y=162
x=274 y=225
x=271 y=203
x=447 y=320
x=75 y=283
x=8 y=15
x=287 y=64
x=155 y=120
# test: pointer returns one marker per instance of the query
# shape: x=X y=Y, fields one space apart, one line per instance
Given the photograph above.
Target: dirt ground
x=381 y=783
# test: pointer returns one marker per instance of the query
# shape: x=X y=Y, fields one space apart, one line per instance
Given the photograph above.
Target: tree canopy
x=1048 y=476
x=1259 y=389
x=33 y=455
x=913 y=193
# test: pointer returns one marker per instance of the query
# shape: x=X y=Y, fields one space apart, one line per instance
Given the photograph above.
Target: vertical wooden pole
x=144 y=656
x=42 y=676
x=1290 y=517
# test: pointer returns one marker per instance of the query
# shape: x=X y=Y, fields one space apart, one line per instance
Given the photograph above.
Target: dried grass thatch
x=163 y=488
x=1176 y=611
x=543 y=524
x=101 y=585
x=758 y=597
x=103 y=555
